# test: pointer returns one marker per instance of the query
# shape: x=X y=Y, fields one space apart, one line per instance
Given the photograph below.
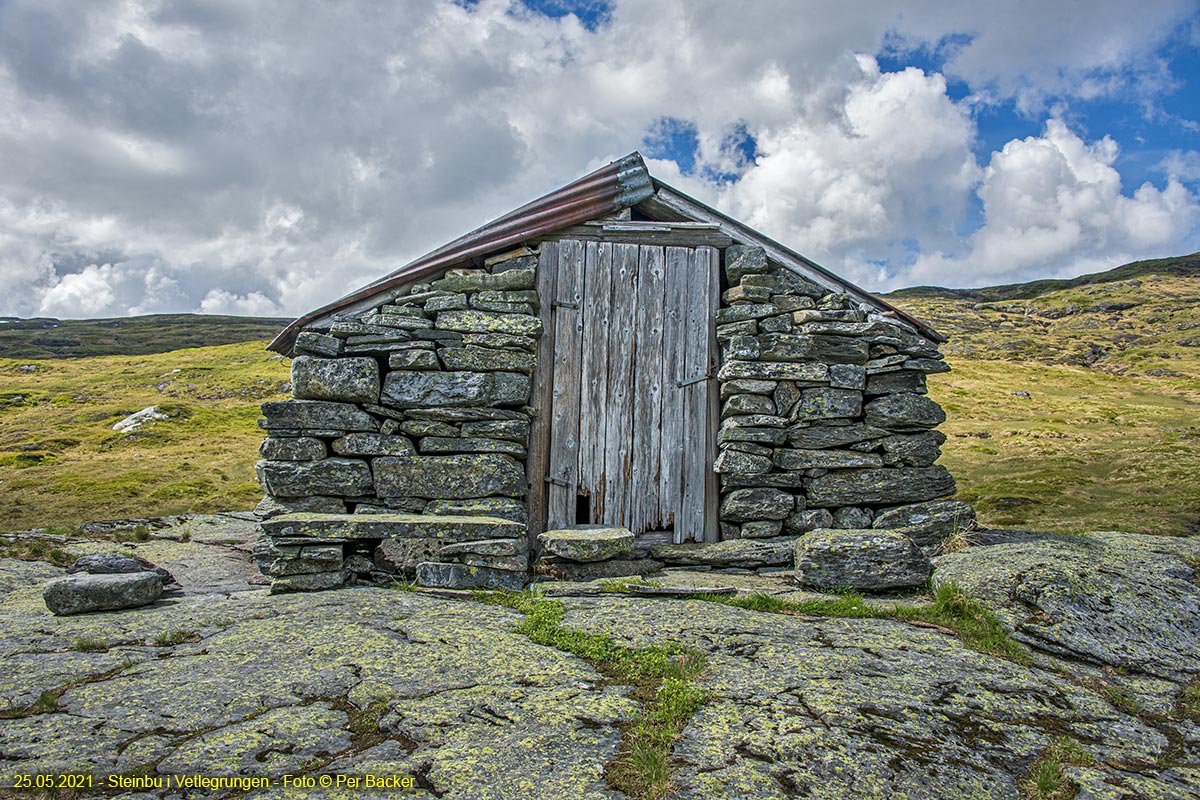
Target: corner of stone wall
x=825 y=422
x=418 y=405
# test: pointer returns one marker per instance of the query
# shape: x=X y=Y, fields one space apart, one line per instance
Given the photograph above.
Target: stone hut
x=615 y=353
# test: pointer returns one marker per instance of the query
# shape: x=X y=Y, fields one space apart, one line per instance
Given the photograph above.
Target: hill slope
x=45 y=337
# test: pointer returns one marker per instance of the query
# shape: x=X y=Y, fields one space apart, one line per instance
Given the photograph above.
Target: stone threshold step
x=390 y=526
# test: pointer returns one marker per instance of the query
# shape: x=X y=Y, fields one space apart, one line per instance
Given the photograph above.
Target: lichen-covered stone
x=309 y=582
x=373 y=444
x=464 y=576
x=489 y=322
x=588 y=543
x=401 y=556
x=745 y=553
x=410 y=358
x=903 y=412
x=488 y=547
x=785 y=282
x=917 y=450
x=847 y=376
x=274 y=506
x=296 y=448
x=853 y=517
x=82 y=593
x=737 y=463
x=746 y=311
x=398 y=526
x=760 y=529
x=825 y=459
x=848 y=487
x=316 y=415
x=330 y=476
x=469 y=444
x=560 y=569
x=746 y=386
x=481 y=281
x=743 y=505
x=731 y=432
x=903 y=380
x=742 y=260
x=800 y=347
x=826 y=403
x=500 y=340
x=928 y=524
x=449 y=477
x=514 y=430
x=867 y=560
x=407 y=389
x=503 y=507
x=347 y=380
x=486 y=359
x=778 y=480
x=318 y=344
x=302 y=559
x=807 y=520
x=821 y=437
x=113 y=563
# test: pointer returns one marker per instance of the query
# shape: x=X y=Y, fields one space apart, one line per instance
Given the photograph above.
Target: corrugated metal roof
x=622 y=184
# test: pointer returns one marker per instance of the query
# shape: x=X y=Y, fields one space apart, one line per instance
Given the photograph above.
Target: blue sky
x=225 y=157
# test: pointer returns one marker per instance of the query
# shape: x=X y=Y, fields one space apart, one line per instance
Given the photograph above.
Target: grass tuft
x=178 y=636
x=1046 y=780
x=85 y=645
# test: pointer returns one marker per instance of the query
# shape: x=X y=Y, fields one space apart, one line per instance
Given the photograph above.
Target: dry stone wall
x=417 y=406
x=825 y=422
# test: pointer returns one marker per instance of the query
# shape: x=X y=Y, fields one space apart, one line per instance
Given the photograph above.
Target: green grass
x=86 y=645
x=975 y=624
x=664 y=677
x=1046 y=780
x=36 y=550
x=1189 y=700
x=62 y=464
x=174 y=637
x=43 y=338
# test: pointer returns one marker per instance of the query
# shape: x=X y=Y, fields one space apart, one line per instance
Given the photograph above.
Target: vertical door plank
x=564 y=439
x=618 y=437
x=674 y=292
x=647 y=390
x=536 y=469
x=596 y=309
x=712 y=497
x=695 y=393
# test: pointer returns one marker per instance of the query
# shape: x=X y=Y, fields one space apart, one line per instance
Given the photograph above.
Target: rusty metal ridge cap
x=614 y=187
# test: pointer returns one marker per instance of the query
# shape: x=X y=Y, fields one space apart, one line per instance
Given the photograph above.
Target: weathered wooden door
x=631 y=392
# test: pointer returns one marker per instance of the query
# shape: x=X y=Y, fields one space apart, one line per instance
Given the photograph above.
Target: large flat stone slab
x=423 y=389
x=316 y=415
x=852 y=487
x=391 y=526
x=463 y=576
x=777 y=551
x=329 y=476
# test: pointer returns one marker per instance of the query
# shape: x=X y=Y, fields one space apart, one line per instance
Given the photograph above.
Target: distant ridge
x=1187 y=266
x=46 y=337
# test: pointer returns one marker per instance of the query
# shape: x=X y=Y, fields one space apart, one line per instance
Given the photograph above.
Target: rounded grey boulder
x=113 y=563
x=84 y=592
x=870 y=560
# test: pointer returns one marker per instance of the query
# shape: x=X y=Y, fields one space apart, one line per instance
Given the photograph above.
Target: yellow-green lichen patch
x=275 y=742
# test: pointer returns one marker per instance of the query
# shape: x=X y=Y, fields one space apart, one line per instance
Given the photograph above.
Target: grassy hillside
x=61 y=463
x=44 y=337
x=1073 y=405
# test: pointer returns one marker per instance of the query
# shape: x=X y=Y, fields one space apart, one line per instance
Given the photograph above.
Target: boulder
x=348 y=380
x=851 y=487
x=449 y=477
x=114 y=563
x=928 y=524
x=588 y=543
x=860 y=559
x=903 y=411
x=330 y=476
x=316 y=415
x=742 y=505
x=81 y=593
x=464 y=576
x=415 y=389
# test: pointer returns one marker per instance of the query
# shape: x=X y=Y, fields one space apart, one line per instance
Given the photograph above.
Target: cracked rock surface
x=221 y=678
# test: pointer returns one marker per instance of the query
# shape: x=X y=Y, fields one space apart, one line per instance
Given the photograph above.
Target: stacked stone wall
x=825 y=422
x=418 y=405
